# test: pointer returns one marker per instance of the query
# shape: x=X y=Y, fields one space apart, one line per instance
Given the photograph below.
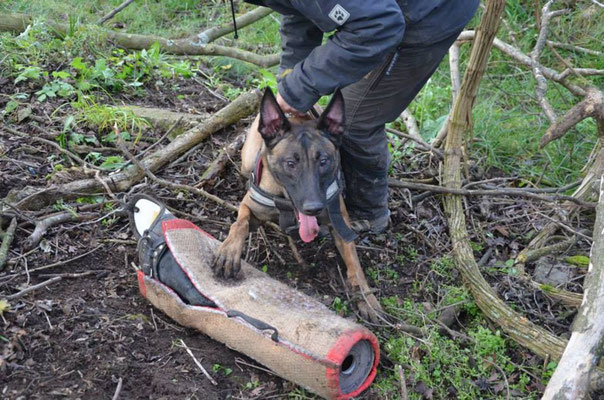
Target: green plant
x=339 y=306
x=219 y=368
x=104 y=118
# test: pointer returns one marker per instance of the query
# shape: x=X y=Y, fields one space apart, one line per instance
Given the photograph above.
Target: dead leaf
x=502 y=230
x=23 y=113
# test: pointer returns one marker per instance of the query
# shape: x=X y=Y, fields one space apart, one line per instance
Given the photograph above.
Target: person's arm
x=299 y=36
x=369 y=32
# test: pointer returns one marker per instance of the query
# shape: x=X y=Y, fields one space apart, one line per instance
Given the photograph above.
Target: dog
x=294 y=164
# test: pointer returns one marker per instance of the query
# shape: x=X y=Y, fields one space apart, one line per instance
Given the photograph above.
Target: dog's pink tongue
x=308 y=227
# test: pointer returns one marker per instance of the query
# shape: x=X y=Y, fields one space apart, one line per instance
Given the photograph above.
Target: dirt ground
x=79 y=337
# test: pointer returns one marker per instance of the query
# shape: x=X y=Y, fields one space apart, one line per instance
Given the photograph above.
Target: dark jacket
x=366 y=33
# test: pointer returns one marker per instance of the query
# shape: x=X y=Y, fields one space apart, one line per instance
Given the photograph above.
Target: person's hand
x=287 y=109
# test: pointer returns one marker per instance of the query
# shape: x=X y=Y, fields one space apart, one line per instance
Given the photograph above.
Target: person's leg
x=379 y=98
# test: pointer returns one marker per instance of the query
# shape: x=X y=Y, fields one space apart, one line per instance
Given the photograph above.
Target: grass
x=508 y=121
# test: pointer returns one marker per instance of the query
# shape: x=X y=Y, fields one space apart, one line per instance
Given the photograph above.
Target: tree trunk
x=586 y=345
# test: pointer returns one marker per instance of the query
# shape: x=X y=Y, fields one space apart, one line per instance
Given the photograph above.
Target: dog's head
x=303 y=155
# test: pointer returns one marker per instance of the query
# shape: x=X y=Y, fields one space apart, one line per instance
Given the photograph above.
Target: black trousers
x=380 y=97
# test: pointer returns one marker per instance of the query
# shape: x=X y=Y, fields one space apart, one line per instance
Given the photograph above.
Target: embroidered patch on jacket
x=339 y=15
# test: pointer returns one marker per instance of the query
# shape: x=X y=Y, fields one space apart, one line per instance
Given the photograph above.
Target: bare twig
x=56 y=264
x=43 y=225
x=53 y=145
x=591 y=106
x=212 y=172
x=9 y=235
x=491 y=192
x=541 y=89
x=455 y=86
x=198 y=363
x=572 y=47
x=402 y=381
x=32 y=288
x=118 y=389
x=211 y=34
x=411 y=125
x=422 y=144
x=244 y=105
x=164 y=182
x=522 y=58
x=107 y=18
x=454 y=70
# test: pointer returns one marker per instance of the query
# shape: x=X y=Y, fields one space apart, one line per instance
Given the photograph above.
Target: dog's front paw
x=227 y=262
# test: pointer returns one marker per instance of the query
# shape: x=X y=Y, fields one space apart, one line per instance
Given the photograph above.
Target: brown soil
x=77 y=338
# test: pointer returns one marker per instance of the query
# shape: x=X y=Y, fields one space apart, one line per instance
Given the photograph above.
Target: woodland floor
x=76 y=338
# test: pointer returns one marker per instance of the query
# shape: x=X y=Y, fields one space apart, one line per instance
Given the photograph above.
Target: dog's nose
x=312 y=207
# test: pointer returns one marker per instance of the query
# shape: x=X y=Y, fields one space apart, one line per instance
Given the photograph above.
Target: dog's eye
x=290 y=164
x=323 y=162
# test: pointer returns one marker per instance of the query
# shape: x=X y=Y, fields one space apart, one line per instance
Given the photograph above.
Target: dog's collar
x=266 y=199
x=288 y=222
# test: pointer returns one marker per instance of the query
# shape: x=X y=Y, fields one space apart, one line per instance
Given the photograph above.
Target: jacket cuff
x=296 y=96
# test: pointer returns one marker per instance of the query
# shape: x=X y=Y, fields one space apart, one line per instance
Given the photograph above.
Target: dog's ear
x=273 y=122
x=332 y=119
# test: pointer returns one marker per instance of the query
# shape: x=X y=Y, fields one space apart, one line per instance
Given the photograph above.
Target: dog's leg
x=368 y=305
x=228 y=258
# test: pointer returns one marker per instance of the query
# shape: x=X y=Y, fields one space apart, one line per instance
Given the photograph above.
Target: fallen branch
x=113 y=12
x=173 y=185
x=211 y=34
x=7 y=240
x=33 y=288
x=19 y=22
x=166 y=119
x=43 y=225
x=212 y=172
x=487 y=192
x=591 y=106
x=543 y=251
x=34 y=198
x=584 y=349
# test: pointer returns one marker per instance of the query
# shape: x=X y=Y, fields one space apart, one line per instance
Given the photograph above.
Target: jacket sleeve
x=299 y=36
x=368 y=31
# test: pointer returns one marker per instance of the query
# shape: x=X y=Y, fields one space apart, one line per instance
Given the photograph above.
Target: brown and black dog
x=300 y=159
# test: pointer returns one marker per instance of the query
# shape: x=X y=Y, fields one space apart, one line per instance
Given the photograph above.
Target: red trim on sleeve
x=140 y=275
x=174 y=224
x=338 y=353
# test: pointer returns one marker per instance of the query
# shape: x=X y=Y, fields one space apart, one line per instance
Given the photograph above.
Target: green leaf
x=578 y=260
x=61 y=74
x=113 y=162
x=79 y=65
x=10 y=107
